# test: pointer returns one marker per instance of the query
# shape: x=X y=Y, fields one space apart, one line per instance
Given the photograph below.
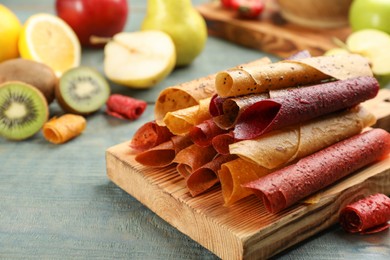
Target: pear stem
x=93 y=39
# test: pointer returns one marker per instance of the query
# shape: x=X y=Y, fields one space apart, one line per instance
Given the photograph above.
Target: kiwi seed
x=23 y=110
x=82 y=90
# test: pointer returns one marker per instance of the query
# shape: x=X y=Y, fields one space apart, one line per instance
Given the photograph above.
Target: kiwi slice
x=82 y=90
x=23 y=110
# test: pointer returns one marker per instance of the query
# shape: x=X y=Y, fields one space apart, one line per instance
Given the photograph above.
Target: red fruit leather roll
x=149 y=135
x=125 y=107
x=288 y=185
x=163 y=154
x=205 y=177
x=366 y=216
x=221 y=142
x=296 y=105
x=203 y=133
x=215 y=107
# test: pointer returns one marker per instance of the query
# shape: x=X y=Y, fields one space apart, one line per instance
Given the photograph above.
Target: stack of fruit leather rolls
x=190 y=93
x=315 y=95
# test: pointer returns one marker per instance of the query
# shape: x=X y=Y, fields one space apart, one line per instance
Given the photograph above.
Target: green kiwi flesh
x=23 y=110
x=82 y=90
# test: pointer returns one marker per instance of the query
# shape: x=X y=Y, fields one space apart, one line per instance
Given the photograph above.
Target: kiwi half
x=82 y=90
x=23 y=110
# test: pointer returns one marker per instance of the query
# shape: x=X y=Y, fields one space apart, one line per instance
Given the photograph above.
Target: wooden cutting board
x=270 y=33
x=244 y=230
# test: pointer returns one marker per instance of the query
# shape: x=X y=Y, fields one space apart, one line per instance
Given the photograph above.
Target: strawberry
x=250 y=9
x=226 y=3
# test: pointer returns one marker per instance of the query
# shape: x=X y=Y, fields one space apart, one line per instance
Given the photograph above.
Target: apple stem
x=93 y=39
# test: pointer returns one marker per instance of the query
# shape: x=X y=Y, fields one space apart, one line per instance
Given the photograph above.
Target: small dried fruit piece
x=62 y=129
x=366 y=216
x=125 y=107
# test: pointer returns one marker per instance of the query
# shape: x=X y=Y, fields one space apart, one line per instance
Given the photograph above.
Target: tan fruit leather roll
x=181 y=121
x=62 y=129
x=236 y=172
x=193 y=157
x=282 y=146
x=290 y=73
x=190 y=93
x=279 y=148
x=163 y=154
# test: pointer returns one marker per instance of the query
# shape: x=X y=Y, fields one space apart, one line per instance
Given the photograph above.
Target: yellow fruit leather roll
x=180 y=122
x=281 y=146
x=62 y=129
x=190 y=93
x=236 y=172
x=290 y=73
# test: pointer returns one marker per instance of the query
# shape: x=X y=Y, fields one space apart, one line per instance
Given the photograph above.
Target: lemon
x=48 y=39
x=10 y=27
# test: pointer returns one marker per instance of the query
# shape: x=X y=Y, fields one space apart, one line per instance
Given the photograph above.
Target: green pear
x=180 y=20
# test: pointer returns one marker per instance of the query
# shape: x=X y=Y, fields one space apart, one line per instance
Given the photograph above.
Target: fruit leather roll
x=292 y=106
x=181 y=121
x=192 y=157
x=149 y=135
x=206 y=176
x=290 y=73
x=59 y=130
x=281 y=146
x=278 y=148
x=366 y=216
x=163 y=154
x=287 y=186
x=203 y=133
x=235 y=173
x=233 y=107
x=190 y=93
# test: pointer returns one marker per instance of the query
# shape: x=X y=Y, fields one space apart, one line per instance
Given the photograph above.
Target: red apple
x=103 y=18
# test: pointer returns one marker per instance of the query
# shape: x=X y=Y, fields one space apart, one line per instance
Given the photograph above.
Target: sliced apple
x=373 y=44
x=367 y=40
x=139 y=59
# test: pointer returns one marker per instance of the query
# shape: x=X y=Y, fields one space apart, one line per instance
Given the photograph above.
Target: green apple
x=139 y=59
x=365 y=14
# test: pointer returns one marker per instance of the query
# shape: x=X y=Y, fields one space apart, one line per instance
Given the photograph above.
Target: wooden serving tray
x=244 y=230
x=270 y=33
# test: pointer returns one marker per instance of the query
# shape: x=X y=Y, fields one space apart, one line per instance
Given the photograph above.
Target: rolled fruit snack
x=290 y=73
x=366 y=216
x=190 y=93
x=280 y=148
x=290 y=184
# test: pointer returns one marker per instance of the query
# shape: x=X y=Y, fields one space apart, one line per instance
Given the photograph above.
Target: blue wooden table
x=56 y=201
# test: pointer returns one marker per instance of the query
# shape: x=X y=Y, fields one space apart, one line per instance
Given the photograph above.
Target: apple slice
x=366 y=41
x=373 y=44
x=336 y=51
x=139 y=59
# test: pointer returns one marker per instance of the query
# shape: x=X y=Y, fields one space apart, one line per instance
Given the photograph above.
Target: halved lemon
x=48 y=39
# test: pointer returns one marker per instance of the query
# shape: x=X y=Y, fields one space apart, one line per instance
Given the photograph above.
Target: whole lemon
x=10 y=28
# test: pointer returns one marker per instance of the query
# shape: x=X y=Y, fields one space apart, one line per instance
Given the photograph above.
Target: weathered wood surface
x=244 y=230
x=270 y=33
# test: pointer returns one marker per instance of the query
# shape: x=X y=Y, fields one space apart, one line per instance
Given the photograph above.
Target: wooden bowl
x=316 y=13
